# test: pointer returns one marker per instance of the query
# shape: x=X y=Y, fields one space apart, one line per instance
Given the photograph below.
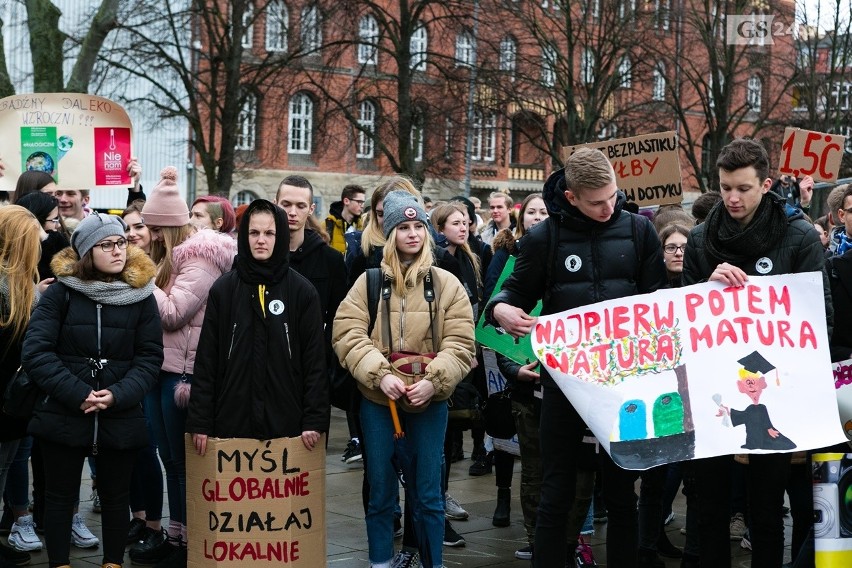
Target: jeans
x=169 y=424
x=18 y=481
x=420 y=454
x=63 y=469
x=7 y=457
x=527 y=421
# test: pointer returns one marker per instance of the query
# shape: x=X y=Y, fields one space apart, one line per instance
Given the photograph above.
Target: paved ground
x=347 y=538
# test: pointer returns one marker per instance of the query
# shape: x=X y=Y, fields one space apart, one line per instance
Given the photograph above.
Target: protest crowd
x=179 y=319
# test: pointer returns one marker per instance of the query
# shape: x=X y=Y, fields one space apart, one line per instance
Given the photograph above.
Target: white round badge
x=276 y=307
x=763 y=265
x=573 y=263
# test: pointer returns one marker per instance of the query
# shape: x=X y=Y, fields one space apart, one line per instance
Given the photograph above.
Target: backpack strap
x=374 y=290
x=385 y=291
x=429 y=294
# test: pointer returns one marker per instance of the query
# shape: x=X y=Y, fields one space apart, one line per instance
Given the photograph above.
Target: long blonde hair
x=439 y=217
x=20 y=250
x=405 y=276
x=373 y=235
x=161 y=250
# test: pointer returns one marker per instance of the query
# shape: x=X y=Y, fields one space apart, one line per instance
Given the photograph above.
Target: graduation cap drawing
x=755 y=363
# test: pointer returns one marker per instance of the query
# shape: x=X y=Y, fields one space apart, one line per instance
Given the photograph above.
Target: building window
x=277 y=21
x=243 y=198
x=418 y=45
x=301 y=124
x=662 y=14
x=841 y=96
x=508 y=54
x=311 y=29
x=625 y=73
x=368 y=40
x=418 y=133
x=659 y=89
x=626 y=9
x=593 y=7
x=366 y=130
x=706 y=155
x=587 y=66
x=247 y=123
x=465 y=49
x=248 y=27
x=548 y=66
x=754 y=96
x=484 y=136
x=448 y=139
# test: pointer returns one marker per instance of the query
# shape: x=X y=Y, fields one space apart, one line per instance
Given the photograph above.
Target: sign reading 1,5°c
x=809 y=153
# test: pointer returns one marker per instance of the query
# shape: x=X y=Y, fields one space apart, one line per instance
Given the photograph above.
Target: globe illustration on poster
x=40 y=162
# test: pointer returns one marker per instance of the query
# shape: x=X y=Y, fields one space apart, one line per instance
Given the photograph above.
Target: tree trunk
x=105 y=21
x=45 y=45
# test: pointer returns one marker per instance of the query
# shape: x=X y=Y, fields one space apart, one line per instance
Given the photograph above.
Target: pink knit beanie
x=165 y=207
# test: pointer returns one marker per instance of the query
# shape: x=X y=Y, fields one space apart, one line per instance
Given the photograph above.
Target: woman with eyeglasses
x=673 y=238
x=94 y=347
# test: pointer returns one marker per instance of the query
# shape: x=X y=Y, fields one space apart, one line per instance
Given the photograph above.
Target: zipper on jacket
x=233 y=335
x=287 y=336
x=401 y=323
x=96 y=375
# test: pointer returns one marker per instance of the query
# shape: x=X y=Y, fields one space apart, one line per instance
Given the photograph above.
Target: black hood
x=311 y=243
x=270 y=271
x=559 y=207
x=336 y=209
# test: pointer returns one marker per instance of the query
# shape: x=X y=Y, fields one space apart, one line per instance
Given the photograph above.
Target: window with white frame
x=625 y=73
x=368 y=40
x=465 y=49
x=247 y=123
x=593 y=7
x=508 y=54
x=706 y=155
x=754 y=94
x=662 y=14
x=711 y=98
x=626 y=9
x=243 y=198
x=277 y=21
x=658 y=92
x=484 y=136
x=418 y=123
x=248 y=27
x=311 y=33
x=841 y=95
x=548 y=66
x=418 y=45
x=300 y=124
x=366 y=130
x=587 y=66
x=448 y=138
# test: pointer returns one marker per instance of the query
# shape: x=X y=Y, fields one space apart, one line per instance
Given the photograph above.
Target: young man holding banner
x=749 y=233
x=589 y=250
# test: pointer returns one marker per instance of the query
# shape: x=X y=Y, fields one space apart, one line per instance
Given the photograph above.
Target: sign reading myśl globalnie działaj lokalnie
x=699 y=371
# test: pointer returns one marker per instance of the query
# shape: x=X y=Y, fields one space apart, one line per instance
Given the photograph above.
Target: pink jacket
x=196 y=264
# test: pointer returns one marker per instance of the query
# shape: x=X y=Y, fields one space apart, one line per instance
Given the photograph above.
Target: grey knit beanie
x=93 y=229
x=401 y=206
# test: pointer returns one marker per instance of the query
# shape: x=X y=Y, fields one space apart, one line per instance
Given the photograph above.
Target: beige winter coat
x=362 y=356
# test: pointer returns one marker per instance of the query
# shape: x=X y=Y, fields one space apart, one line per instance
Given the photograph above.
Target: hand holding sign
x=808 y=153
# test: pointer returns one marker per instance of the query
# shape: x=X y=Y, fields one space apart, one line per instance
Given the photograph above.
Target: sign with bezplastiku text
x=843 y=387
x=253 y=502
x=83 y=141
x=809 y=153
x=647 y=167
x=699 y=371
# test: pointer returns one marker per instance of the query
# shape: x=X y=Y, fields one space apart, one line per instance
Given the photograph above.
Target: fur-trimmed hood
x=138 y=271
x=505 y=239
x=215 y=247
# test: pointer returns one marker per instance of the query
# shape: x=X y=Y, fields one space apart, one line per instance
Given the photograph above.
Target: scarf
x=844 y=243
x=5 y=296
x=117 y=293
x=727 y=241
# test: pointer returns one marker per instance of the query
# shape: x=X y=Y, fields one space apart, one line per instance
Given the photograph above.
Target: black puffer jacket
x=324 y=268
x=260 y=375
x=594 y=261
x=58 y=345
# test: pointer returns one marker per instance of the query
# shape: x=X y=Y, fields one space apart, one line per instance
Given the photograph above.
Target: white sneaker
x=23 y=537
x=81 y=536
x=452 y=509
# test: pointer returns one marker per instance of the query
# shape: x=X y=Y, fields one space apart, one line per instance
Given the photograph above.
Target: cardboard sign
x=832 y=474
x=647 y=168
x=699 y=371
x=809 y=153
x=518 y=350
x=497 y=382
x=253 y=501
x=83 y=141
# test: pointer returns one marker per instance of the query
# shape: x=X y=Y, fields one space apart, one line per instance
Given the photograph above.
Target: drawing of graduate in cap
x=760 y=433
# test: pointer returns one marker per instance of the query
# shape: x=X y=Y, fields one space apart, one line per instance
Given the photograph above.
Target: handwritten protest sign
x=698 y=371
x=519 y=351
x=252 y=500
x=809 y=153
x=83 y=141
x=843 y=388
x=647 y=168
x=496 y=382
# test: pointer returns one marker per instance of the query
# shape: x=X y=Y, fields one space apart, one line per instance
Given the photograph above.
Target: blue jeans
x=18 y=482
x=169 y=424
x=419 y=454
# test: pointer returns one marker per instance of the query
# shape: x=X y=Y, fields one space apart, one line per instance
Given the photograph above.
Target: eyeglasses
x=55 y=221
x=108 y=246
x=671 y=249
x=359 y=201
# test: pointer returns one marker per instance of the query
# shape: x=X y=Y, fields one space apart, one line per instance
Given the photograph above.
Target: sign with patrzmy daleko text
x=82 y=141
x=647 y=167
x=809 y=153
x=254 y=502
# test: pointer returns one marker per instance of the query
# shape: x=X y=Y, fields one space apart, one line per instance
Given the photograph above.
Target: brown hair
x=161 y=250
x=520 y=230
x=440 y=214
x=587 y=169
x=20 y=250
x=742 y=153
x=703 y=204
x=670 y=230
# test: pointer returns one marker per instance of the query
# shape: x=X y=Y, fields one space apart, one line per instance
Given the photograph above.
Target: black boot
x=504 y=507
x=649 y=559
x=665 y=547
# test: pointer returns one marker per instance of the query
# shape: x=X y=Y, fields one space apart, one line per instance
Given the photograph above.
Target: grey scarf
x=117 y=293
x=4 y=293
